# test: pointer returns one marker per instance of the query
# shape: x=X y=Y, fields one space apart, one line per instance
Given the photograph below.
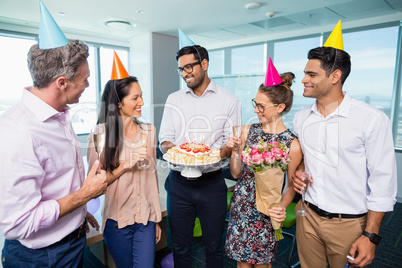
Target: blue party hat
x=50 y=35
x=184 y=40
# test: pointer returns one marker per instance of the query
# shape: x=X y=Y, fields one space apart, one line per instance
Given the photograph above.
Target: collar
x=38 y=107
x=211 y=87
x=342 y=109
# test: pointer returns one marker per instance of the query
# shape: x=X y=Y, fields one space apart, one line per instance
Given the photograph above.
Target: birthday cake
x=193 y=154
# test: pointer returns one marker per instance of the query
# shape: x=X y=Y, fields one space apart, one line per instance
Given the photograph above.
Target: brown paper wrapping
x=268 y=191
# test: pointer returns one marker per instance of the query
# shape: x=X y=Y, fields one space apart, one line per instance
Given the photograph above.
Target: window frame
x=95 y=45
x=397 y=83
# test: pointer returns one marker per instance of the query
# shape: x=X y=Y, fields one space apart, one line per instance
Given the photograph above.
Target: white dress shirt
x=350 y=154
x=40 y=162
x=189 y=117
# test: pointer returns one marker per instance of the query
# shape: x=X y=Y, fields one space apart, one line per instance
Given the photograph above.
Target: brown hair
x=281 y=93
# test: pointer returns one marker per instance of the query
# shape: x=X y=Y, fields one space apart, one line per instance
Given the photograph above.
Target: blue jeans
x=204 y=197
x=131 y=246
x=69 y=252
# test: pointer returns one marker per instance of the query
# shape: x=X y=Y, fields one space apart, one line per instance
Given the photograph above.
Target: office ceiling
x=212 y=22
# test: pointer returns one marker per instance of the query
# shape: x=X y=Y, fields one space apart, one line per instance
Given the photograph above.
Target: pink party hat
x=272 y=77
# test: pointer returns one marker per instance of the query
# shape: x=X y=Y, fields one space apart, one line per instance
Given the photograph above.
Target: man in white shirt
x=348 y=150
x=206 y=110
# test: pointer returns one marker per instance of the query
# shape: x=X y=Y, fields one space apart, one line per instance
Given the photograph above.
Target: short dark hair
x=332 y=59
x=196 y=50
x=281 y=93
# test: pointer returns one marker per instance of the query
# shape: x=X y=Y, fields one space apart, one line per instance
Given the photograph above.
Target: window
x=247 y=73
x=291 y=56
x=83 y=114
x=371 y=80
x=15 y=76
x=216 y=66
x=373 y=66
x=248 y=60
x=373 y=69
x=245 y=88
x=14 y=72
x=106 y=61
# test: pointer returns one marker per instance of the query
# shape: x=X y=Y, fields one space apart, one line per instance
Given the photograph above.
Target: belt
x=77 y=233
x=329 y=215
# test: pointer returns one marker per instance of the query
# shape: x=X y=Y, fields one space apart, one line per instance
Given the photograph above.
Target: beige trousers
x=322 y=241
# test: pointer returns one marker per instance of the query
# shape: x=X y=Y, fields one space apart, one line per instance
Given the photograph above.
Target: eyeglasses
x=260 y=107
x=188 y=68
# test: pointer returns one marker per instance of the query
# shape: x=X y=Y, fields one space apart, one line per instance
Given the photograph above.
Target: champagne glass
x=142 y=136
x=99 y=135
x=306 y=179
x=237 y=133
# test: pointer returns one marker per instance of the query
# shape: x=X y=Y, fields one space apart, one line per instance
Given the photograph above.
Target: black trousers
x=204 y=197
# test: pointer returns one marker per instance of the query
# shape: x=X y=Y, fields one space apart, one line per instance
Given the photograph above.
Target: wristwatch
x=373 y=237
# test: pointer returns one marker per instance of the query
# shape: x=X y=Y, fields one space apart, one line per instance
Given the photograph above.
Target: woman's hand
x=277 y=214
x=158 y=233
x=91 y=221
x=139 y=155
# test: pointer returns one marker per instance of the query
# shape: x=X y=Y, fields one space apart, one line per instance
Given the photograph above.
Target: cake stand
x=189 y=170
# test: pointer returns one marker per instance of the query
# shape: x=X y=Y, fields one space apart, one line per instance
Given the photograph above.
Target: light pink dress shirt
x=40 y=163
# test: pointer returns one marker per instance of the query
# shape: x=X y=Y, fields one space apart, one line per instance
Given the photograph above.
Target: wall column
x=153 y=61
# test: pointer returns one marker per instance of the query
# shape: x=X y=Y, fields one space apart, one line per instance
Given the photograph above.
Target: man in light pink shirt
x=42 y=184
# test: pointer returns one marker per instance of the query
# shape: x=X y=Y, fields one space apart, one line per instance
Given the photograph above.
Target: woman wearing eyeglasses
x=250 y=237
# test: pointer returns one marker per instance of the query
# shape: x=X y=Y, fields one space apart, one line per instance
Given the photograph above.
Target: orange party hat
x=118 y=70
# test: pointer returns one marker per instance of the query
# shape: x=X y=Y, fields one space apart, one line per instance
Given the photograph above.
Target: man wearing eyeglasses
x=203 y=109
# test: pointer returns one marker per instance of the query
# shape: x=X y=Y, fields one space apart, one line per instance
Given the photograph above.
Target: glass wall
x=106 y=60
x=244 y=73
x=15 y=76
x=217 y=65
x=373 y=66
x=291 y=56
x=373 y=54
x=85 y=112
x=248 y=60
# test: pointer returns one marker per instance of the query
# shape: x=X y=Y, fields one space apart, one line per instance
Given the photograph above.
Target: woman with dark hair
x=250 y=237
x=132 y=209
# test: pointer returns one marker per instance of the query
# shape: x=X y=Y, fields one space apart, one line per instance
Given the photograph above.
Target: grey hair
x=45 y=65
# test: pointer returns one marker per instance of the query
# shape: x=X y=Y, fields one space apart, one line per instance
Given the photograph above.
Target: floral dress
x=250 y=237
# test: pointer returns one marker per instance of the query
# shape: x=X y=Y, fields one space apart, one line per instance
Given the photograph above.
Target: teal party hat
x=50 y=35
x=184 y=40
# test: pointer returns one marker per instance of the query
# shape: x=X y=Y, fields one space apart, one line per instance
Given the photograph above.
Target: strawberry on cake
x=193 y=154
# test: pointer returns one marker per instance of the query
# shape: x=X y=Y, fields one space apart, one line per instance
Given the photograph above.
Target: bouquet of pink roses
x=268 y=161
